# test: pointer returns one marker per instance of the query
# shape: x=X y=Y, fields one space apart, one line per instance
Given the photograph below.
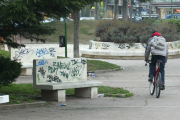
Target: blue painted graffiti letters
x=41 y=52
x=42 y=62
x=52 y=54
x=52 y=49
x=22 y=52
x=137 y=46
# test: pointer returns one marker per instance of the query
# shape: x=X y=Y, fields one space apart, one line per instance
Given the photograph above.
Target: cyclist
x=158 y=48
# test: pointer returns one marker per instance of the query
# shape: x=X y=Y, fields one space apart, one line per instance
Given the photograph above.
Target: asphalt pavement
x=141 y=106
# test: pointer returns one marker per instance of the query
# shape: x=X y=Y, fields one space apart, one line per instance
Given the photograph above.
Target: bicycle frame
x=157 y=70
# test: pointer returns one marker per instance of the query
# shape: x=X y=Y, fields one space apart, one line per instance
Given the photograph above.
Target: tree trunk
x=97 y=10
x=125 y=10
x=131 y=10
x=150 y=9
x=104 y=6
x=115 y=9
x=76 y=34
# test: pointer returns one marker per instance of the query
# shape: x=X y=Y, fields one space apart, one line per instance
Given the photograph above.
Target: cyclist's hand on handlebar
x=147 y=61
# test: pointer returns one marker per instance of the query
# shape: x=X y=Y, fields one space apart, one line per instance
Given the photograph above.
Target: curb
x=116 y=95
x=24 y=105
x=103 y=71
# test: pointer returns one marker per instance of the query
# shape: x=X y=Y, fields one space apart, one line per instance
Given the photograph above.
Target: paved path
x=141 y=106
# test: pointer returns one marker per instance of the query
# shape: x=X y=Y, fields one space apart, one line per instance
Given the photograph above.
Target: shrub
x=175 y=22
x=9 y=71
x=103 y=27
x=126 y=32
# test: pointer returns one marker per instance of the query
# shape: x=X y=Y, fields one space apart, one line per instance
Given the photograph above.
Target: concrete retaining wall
x=27 y=54
x=123 y=50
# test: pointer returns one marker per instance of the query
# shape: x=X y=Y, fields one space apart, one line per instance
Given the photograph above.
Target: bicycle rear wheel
x=158 y=85
x=151 y=87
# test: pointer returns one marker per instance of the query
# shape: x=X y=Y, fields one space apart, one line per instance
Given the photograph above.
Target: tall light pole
x=65 y=19
x=171 y=9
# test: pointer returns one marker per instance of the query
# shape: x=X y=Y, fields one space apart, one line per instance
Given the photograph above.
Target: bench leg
x=90 y=92
x=53 y=95
x=26 y=71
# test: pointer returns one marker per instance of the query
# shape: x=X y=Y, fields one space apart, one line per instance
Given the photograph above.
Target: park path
x=141 y=106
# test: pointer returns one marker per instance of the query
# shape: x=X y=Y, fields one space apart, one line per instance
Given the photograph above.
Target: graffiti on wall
x=105 y=46
x=144 y=46
x=137 y=46
x=171 y=46
x=97 y=45
x=41 y=52
x=42 y=71
x=124 y=46
x=90 y=44
x=19 y=54
x=53 y=79
x=52 y=52
x=42 y=62
x=60 y=70
x=29 y=53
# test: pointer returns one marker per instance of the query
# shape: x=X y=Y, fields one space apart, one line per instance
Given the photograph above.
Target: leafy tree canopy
x=23 y=17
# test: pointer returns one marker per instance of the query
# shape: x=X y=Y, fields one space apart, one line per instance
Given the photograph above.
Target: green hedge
x=126 y=32
x=9 y=71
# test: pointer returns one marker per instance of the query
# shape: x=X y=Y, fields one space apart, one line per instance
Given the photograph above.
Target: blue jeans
x=152 y=71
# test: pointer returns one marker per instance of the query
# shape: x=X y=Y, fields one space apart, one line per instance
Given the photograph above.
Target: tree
x=76 y=6
x=97 y=10
x=125 y=10
x=23 y=18
x=115 y=9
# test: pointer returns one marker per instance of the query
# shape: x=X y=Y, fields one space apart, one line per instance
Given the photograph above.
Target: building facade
x=163 y=7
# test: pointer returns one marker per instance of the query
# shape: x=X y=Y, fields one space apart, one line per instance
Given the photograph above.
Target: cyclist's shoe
x=150 y=79
x=163 y=87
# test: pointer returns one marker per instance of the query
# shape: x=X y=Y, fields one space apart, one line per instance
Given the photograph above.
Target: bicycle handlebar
x=148 y=61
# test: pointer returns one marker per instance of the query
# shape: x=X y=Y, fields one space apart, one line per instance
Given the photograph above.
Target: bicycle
x=156 y=82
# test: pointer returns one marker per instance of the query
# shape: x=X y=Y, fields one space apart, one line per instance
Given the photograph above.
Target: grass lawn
x=5 y=53
x=24 y=93
x=86 y=31
x=93 y=65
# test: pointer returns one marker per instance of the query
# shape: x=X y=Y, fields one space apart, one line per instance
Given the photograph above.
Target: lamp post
x=171 y=9
x=65 y=37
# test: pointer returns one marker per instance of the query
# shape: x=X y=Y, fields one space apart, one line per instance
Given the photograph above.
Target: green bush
x=175 y=22
x=126 y=32
x=9 y=71
x=103 y=27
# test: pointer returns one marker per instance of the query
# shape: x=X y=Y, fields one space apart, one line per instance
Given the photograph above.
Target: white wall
x=61 y=70
x=27 y=54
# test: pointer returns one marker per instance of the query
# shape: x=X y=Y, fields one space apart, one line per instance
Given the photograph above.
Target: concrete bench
x=27 y=54
x=56 y=75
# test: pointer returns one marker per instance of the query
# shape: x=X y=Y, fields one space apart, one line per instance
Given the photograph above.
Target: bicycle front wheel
x=158 y=85
x=151 y=87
